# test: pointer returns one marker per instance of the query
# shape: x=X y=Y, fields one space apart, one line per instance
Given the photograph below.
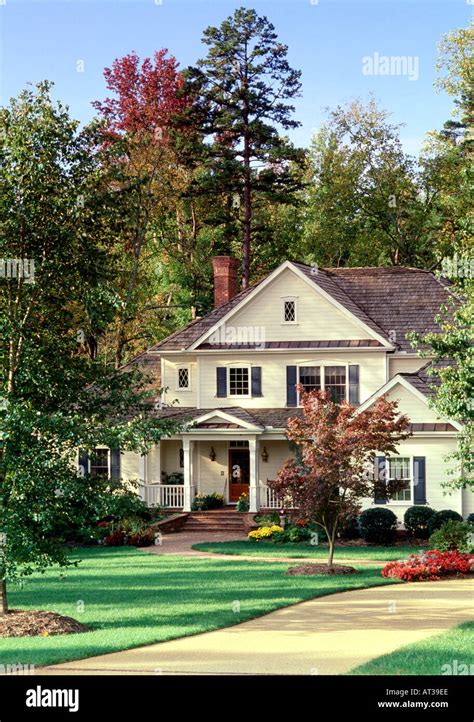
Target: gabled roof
x=390 y=301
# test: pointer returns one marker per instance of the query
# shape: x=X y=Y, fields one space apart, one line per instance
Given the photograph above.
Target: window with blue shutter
x=291 y=395
x=354 y=394
x=380 y=476
x=221 y=381
x=256 y=381
x=419 y=479
x=115 y=463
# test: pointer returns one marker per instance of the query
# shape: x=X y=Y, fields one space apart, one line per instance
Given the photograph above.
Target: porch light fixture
x=265 y=454
x=212 y=454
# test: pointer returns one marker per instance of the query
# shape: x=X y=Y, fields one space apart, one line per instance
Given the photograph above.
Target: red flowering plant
x=429 y=566
x=333 y=465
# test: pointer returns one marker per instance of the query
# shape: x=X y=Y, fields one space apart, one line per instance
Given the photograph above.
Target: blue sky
x=327 y=40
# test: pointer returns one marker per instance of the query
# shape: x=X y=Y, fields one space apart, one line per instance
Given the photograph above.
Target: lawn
x=132 y=598
x=442 y=654
x=303 y=551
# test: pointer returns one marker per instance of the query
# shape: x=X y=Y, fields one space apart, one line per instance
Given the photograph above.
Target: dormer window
x=289 y=310
x=183 y=379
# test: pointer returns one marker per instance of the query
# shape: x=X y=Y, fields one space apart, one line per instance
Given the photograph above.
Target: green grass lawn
x=132 y=598
x=303 y=551
x=454 y=647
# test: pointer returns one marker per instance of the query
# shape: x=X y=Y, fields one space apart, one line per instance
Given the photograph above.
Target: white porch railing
x=169 y=496
x=270 y=500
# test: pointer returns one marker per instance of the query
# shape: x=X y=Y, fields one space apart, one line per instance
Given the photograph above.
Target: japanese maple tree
x=333 y=467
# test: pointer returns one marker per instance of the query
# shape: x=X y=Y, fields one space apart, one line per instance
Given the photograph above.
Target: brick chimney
x=226 y=279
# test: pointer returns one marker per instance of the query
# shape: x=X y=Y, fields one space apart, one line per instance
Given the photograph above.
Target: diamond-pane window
x=289 y=311
x=239 y=382
x=183 y=378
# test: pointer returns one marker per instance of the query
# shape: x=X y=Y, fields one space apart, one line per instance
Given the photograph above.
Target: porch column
x=253 y=488
x=188 y=473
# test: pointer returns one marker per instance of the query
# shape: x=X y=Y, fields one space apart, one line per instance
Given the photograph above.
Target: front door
x=239 y=473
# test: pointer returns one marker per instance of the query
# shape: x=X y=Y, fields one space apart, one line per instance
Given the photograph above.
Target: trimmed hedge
x=441 y=517
x=416 y=520
x=378 y=526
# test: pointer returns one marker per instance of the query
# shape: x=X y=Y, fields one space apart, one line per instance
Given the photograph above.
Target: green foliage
x=470 y=518
x=453 y=535
x=267 y=519
x=441 y=517
x=176 y=477
x=416 y=520
x=378 y=526
x=243 y=503
x=203 y=502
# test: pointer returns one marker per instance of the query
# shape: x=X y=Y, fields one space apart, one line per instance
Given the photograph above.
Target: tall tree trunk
x=331 y=541
x=247 y=184
x=3 y=596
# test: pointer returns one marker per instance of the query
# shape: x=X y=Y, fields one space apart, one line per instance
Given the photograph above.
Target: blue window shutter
x=380 y=478
x=221 y=387
x=354 y=396
x=291 y=397
x=256 y=380
x=419 y=479
x=83 y=462
x=115 y=463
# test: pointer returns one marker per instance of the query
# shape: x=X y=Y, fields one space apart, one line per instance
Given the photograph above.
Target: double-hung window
x=335 y=382
x=327 y=378
x=99 y=463
x=239 y=381
x=399 y=469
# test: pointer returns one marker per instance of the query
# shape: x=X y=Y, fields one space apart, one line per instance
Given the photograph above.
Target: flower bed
x=264 y=532
x=430 y=565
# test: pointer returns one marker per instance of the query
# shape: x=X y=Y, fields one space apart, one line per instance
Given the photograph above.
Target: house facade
x=230 y=379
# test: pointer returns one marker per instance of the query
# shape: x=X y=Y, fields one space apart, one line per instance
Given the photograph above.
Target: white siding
x=278 y=453
x=318 y=318
x=170 y=380
x=212 y=476
x=411 y=405
x=437 y=497
x=372 y=375
x=400 y=365
x=129 y=465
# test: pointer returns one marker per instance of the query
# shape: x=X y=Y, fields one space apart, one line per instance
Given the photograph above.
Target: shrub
x=470 y=518
x=416 y=520
x=132 y=531
x=453 y=535
x=350 y=530
x=127 y=503
x=264 y=532
x=243 y=503
x=378 y=526
x=267 y=519
x=207 y=501
x=440 y=517
x=429 y=565
x=176 y=477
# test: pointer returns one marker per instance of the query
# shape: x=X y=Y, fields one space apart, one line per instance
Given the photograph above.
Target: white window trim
x=178 y=387
x=239 y=396
x=109 y=461
x=398 y=502
x=283 y=301
x=322 y=365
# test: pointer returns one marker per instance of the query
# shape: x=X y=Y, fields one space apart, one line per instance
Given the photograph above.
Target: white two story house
x=231 y=378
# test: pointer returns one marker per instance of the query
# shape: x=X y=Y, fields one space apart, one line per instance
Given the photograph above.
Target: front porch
x=206 y=464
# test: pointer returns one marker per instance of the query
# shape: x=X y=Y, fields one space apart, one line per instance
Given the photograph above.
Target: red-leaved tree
x=333 y=467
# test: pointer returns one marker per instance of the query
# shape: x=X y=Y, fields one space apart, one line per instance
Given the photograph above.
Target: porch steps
x=222 y=520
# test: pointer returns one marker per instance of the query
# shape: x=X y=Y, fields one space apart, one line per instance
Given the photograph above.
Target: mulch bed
x=302 y=569
x=19 y=623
